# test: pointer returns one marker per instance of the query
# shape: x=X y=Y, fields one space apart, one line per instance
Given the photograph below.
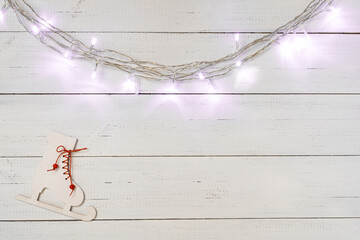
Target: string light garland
x=72 y=48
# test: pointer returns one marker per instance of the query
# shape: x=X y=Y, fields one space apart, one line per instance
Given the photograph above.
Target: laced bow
x=67 y=155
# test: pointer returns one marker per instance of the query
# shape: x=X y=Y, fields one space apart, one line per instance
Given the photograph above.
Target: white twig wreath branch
x=71 y=47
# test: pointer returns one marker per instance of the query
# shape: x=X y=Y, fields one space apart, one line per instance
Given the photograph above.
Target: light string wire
x=66 y=44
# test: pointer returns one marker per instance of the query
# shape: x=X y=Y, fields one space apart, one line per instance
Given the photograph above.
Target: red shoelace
x=67 y=154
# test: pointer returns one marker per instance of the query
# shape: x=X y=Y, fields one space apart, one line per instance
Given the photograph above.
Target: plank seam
x=188 y=219
x=195 y=156
x=215 y=33
x=182 y=94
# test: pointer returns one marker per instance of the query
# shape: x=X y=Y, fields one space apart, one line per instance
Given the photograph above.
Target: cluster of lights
x=132 y=82
x=238 y=63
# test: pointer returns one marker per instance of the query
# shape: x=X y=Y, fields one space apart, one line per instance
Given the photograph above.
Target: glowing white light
x=334 y=17
x=67 y=54
x=334 y=10
x=201 y=76
x=286 y=49
x=334 y=13
x=237 y=37
x=296 y=46
x=172 y=89
x=93 y=41
x=1 y=15
x=129 y=85
x=46 y=24
x=93 y=75
x=171 y=95
x=35 y=29
x=238 y=63
x=299 y=43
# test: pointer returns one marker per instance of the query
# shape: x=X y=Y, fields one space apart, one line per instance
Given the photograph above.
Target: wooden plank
x=203 y=187
x=269 y=197
x=329 y=65
x=186 y=15
x=183 y=125
x=185 y=230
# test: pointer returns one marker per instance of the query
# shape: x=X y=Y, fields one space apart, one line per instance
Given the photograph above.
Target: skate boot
x=54 y=173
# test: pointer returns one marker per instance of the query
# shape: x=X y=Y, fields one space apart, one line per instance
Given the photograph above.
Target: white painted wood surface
x=274 y=156
x=113 y=125
x=320 y=73
x=185 y=16
x=206 y=187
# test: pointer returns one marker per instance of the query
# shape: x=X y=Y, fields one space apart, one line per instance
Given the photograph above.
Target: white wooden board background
x=276 y=155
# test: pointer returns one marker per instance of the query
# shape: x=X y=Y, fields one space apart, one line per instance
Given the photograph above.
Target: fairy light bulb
x=93 y=75
x=334 y=10
x=35 y=29
x=46 y=24
x=129 y=85
x=172 y=89
x=67 y=54
x=286 y=49
x=238 y=63
x=58 y=40
x=93 y=41
x=201 y=76
x=334 y=13
x=299 y=44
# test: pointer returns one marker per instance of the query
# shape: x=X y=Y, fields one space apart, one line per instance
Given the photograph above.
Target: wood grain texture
x=186 y=15
x=274 y=156
x=186 y=230
x=327 y=66
x=114 y=125
x=200 y=188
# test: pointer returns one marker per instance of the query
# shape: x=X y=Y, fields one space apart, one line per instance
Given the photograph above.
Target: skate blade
x=86 y=218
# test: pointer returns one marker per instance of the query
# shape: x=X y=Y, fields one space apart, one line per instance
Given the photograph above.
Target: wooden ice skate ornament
x=54 y=173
